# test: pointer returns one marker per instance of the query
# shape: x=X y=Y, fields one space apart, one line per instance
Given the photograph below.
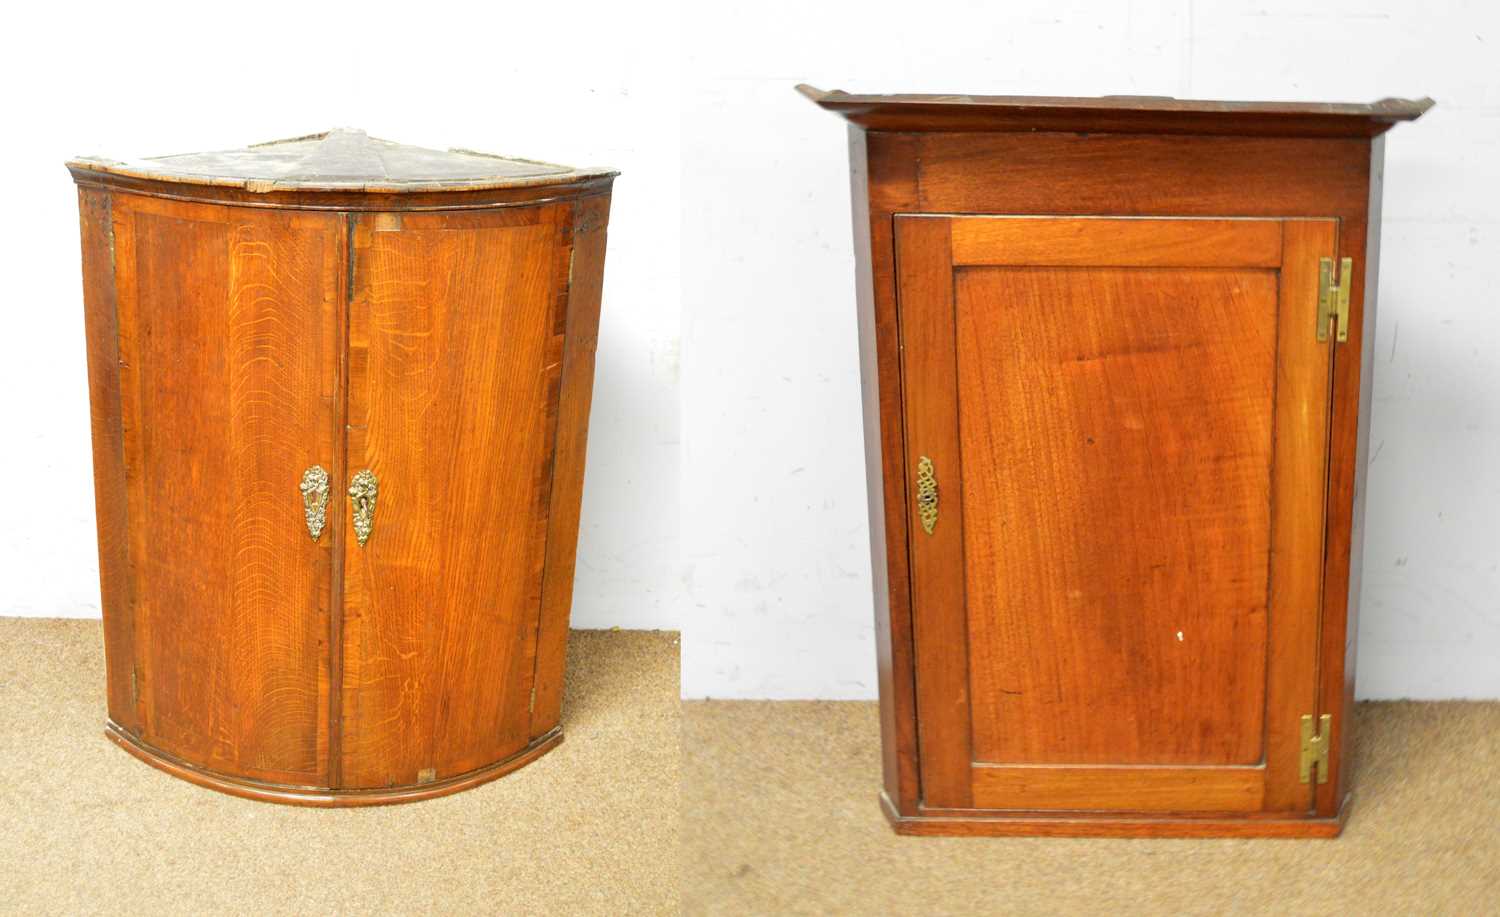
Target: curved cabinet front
x=338 y=462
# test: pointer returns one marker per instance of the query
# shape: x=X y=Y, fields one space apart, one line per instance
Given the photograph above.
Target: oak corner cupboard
x=340 y=393
x=1116 y=357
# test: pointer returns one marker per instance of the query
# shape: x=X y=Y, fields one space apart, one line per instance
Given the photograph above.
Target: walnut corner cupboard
x=1116 y=363
x=340 y=392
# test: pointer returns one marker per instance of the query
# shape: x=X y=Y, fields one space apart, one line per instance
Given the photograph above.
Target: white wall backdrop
x=146 y=79
x=773 y=499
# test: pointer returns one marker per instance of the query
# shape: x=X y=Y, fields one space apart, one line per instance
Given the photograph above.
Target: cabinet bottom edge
x=329 y=798
x=1074 y=824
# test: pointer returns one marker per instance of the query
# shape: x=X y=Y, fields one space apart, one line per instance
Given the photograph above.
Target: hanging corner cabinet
x=340 y=392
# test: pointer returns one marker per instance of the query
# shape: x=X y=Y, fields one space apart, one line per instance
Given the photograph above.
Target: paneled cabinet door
x=228 y=373
x=1116 y=434
x=455 y=350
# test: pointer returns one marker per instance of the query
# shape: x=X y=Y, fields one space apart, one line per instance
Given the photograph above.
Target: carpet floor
x=780 y=817
x=590 y=828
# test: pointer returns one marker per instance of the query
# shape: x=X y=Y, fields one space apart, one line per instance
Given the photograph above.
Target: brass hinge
x=531 y=708
x=1315 y=748
x=1333 y=298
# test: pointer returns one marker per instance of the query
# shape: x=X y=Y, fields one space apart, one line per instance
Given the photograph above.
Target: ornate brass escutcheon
x=927 y=495
x=362 y=490
x=314 y=489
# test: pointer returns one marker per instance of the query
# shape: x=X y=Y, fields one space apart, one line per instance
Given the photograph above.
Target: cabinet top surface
x=342 y=160
x=1116 y=114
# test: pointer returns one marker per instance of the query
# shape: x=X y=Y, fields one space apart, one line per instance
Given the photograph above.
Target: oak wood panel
x=1116 y=461
x=883 y=181
x=1148 y=789
x=322 y=797
x=452 y=358
x=345 y=201
x=231 y=595
x=1104 y=242
x=925 y=275
x=101 y=328
x=579 y=304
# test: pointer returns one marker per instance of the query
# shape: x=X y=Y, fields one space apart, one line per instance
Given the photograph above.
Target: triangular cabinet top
x=342 y=160
x=1116 y=114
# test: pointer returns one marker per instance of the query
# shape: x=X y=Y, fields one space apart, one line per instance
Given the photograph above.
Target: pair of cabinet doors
x=1116 y=440
x=257 y=346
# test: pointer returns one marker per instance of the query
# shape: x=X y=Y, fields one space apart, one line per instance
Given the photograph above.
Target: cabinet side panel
x=883 y=182
x=1359 y=239
x=222 y=332
x=451 y=368
x=101 y=329
x=583 y=294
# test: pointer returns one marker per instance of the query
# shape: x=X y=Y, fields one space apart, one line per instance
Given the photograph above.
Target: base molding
x=324 y=797
x=1073 y=824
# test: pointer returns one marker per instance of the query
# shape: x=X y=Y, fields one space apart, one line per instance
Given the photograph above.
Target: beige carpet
x=779 y=817
x=591 y=828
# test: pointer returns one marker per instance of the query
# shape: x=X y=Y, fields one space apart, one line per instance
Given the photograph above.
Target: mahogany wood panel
x=219 y=366
x=990 y=823
x=1153 y=789
x=881 y=184
x=1217 y=172
x=1299 y=502
x=453 y=356
x=1118 y=489
x=1105 y=242
x=925 y=268
x=1116 y=114
x=1116 y=463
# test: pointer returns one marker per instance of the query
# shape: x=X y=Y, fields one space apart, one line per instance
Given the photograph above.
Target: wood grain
x=1298 y=509
x=1116 y=114
x=925 y=270
x=990 y=823
x=1116 y=486
x=1135 y=580
x=1137 y=789
x=1103 y=242
x=231 y=595
x=883 y=181
x=1139 y=175
x=1046 y=174
x=452 y=362
x=578 y=308
x=101 y=328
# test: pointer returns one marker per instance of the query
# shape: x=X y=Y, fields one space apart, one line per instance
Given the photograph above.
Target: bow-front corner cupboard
x=1116 y=356
x=340 y=392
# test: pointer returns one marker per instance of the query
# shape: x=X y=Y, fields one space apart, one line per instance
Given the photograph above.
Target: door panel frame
x=250 y=239
x=927 y=249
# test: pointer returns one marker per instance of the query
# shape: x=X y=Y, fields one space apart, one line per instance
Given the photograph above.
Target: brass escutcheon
x=362 y=490
x=314 y=489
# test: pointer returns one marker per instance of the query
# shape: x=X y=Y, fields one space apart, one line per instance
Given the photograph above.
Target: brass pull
x=927 y=495
x=362 y=489
x=314 y=489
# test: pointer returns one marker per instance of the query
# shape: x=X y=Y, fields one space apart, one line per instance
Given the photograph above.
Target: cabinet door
x=228 y=336
x=1117 y=431
x=455 y=344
